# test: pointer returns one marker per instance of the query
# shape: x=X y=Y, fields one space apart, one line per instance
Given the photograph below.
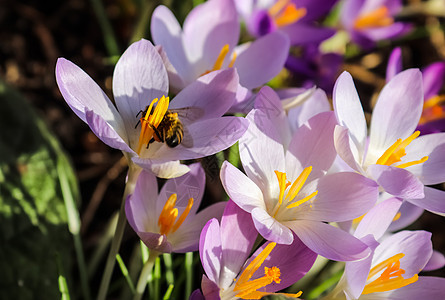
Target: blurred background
x=50 y=162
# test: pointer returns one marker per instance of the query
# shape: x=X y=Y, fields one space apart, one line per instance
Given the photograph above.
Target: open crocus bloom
x=296 y=18
x=392 y=271
x=208 y=42
x=140 y=88
x=395 y=157
x=169 y=222
x=433 y=114
x=286 y=189
x=369 y=21
x=231 y=274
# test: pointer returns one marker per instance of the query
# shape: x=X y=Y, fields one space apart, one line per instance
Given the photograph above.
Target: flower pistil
x=169 y=215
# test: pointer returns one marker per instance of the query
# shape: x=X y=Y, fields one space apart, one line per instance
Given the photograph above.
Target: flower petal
x=171 y=169
x=434 y=201
x=437 y=261
x=139 y=77
x=174 y=79
x=243 y=191
x=394 y=64
x=328 y=241
x=397 y=111
x=354 y=193
x=409 y=213
x=300 y=33
x=270 y=228
x=349 y=111
x=433 y=79
x=262 y=60
x=424 y=288
x=210 y=250
x=397 y=181
x=346 y=148
x=155 y=241
x=106 y=133
x=236 y=224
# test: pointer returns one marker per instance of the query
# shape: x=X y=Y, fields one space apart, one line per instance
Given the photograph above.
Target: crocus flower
x=433 y=113
x=231 y=274
x=208 y=42
x=395 y=157
x=286 y=189
x=296 y=18
x=392 y=271
x=369 y=21
x=140 y=81
x=168 y=221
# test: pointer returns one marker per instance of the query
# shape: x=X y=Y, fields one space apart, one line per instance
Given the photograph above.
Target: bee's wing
x=188 y=115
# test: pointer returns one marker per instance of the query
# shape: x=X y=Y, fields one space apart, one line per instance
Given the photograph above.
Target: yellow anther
x=391 y=277
x=183 y=215
x=169 y=213
x=232 y=62
x=220 y=60
x=397 y=150
x=397 y=216
x=432 y=109
x=379 y=17
x=284 y=13
x=298 y=184
x=283 y=184
x=151 y=120
x=305 y=199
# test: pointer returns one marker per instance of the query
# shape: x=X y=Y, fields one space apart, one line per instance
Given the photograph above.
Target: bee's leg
x=139 y=120
x=158 y=136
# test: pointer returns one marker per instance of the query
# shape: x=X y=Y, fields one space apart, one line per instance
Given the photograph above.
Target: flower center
x=169 y=214
x=379 y=17
x=391 y=277
x=397 y=150
x=220 y=60
x=433 y=110
x=285 y=13
x=248 y=289
x=289 y=201
x=150 y=120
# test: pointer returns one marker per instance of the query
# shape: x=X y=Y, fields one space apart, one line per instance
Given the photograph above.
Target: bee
x=169 y=131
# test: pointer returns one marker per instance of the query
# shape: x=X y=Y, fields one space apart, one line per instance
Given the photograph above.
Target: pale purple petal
x=356 y=273
x=174 y=79
x=378 y=219
x=432 y=145
x=434 y=201
x=171 y=169
x=139 y=77
x=263 y=60
x=212 y=94
x=346 y=148
x=261 y=153
x=394 y=64
x=209 y=289
x=437 y=261
x=313 y=145
x=167 y=32
x=328 y=241
x=397 y=111
x=350 y=11
x=409 y=213
x=416 y=245
x=140 y=206
x=352 y=192
x=155 y=241
x=190 y=185
x=349 y=111
x=424 y=288
x=82 y=94
x=270 y=228
x=186 y=238
x=207 y=28
x=433 y=79
x=210 y=250
x=240 y=188
x=387 y=32
x=236 y=225
x=294 y=261
x=397 y=181
x=106 y=133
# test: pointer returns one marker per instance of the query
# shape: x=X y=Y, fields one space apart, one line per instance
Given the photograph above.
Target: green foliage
x=33 y=216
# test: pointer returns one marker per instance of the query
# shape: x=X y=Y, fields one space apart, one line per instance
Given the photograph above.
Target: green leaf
x=33 y=216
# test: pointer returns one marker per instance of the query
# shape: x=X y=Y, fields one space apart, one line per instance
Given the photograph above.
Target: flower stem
x=143 y=277
x=133 y=174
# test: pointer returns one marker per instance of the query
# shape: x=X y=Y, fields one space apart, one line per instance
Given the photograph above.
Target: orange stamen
x=379 y=17
x=220 y=60
x=169 y=213
x=432 y=109
x=285 y=13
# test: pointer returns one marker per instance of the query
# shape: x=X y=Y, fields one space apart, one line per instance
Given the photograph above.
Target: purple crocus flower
x=296 y=18
x=231 y=274
x=286 y=189
x=168 y=221
x=140 y=80
x=392 y=271
x=396 y=158
x=369 y=21
x=208 y=42
x=433 y=114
